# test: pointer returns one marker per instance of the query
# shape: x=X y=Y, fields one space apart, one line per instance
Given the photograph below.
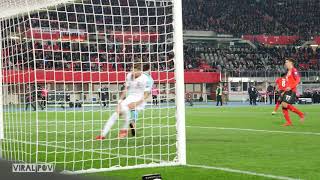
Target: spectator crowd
x=289 y=17
x=247 y=59
x=102 y=51
x=313 y=93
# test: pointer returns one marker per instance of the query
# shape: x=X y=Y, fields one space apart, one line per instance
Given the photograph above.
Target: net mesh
x=63 y=66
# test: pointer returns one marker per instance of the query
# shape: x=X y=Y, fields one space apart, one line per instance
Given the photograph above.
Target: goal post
x=1 y=103
x=179 y=74
x=63 y=66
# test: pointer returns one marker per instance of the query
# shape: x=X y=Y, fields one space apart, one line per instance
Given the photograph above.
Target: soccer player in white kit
x=135 y=112
x=135 y=84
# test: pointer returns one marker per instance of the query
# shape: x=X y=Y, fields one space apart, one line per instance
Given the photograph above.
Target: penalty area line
x=241 y=172
x=257 y=130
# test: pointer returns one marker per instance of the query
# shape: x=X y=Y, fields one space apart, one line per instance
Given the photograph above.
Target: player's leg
x=104 y=102
x=271 y=98
x=154 y=100
x=278 y=101
x=286 y=116
x=34 y=106
x=40 y=104
x=47 y=97
x=133 y=119
x=125 y=112
x=254 y=100
x=225 y=99
x=112 y=119
x=44 y=102
x=217 y=99
x=27 y=105
x=276 y=107
x=290 y=106
x=297 y=111
x=270 y=102
x=285 y=111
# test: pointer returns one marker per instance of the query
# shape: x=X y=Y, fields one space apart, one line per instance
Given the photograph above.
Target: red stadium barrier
x=80 y=35
x=56 y=34
x=271 y=40
x=49 y=76
x=135 y=36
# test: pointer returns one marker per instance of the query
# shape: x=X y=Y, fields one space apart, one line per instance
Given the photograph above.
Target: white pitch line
x=242 y=172
x=257 y=130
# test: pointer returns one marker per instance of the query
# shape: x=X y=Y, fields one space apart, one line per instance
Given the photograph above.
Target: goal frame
x=179 y=93
x=1 y=101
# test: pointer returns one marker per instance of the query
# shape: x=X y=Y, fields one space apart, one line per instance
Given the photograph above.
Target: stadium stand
x=232 y=17
x=253 y=17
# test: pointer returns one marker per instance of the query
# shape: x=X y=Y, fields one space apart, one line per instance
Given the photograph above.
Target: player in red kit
x=288 y=97
x=281 y=85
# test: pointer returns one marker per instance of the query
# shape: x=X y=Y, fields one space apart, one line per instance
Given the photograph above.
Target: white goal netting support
x=63 y=66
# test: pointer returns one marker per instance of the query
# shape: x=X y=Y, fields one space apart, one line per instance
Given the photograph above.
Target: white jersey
x=136 y=87
x=150 y=83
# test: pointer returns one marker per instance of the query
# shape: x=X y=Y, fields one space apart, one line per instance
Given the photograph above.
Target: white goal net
x=63 y=66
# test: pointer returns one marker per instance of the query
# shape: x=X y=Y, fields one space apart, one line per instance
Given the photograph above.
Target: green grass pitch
x=248 y=139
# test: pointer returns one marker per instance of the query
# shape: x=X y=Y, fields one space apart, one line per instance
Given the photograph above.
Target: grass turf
x=281 y=154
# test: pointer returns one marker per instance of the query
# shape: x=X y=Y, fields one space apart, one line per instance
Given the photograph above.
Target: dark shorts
x=279 y=96
x=289 y=97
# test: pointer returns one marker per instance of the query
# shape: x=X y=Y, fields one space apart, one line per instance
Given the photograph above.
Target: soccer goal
x=64 y=64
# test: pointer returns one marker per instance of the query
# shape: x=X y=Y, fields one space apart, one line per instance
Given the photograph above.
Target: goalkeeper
x=135 y=85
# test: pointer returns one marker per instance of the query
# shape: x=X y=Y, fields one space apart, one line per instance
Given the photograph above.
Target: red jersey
x=155 y=91
x=44 y=92
x=293 y=79
x=281 y=83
